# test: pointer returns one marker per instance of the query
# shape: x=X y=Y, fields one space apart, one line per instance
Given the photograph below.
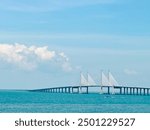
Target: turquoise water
x=36 y=102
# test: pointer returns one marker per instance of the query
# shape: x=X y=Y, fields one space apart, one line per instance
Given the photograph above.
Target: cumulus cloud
x=42 y=52
x=29 y=57
x=130 y=72
x=62 y=54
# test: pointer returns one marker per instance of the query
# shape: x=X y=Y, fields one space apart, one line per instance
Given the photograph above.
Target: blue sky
x=46 y=43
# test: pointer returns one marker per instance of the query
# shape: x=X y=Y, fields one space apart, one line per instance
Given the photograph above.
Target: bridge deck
x=102 y=89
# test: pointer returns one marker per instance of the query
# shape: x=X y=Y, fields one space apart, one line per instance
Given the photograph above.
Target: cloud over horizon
x=29 y=57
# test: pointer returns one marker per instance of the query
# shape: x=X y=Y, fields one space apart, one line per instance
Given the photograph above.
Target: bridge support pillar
x=87 y=90
x=148 y=91
x=69 y=90
x=124 y=91
x=144 y=91
x=140 y=91
x=127 y=91
x=108 y=90
x=131 y=91
x=120 y=90
x=80 y=89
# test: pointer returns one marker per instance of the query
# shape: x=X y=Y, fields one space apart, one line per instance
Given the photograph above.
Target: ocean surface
x=38 y=102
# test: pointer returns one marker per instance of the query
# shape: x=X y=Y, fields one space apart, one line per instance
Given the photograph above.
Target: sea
x=12 y=101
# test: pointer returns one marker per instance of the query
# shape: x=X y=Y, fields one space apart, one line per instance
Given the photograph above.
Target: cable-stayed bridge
x=107 y=85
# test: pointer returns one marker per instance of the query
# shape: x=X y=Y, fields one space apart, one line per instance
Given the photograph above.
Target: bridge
x=108 y=85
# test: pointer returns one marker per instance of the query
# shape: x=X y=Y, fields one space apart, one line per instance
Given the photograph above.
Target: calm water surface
x=36 y=102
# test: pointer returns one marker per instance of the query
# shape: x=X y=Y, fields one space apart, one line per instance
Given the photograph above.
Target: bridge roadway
x=122 y=90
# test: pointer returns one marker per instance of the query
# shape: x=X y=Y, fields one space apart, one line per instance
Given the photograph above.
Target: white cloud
x=62 y=54
x=29 y=57
x=42 y=52
x=130 y=72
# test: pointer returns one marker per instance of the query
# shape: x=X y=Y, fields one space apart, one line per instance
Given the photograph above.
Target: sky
x=46 y=43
